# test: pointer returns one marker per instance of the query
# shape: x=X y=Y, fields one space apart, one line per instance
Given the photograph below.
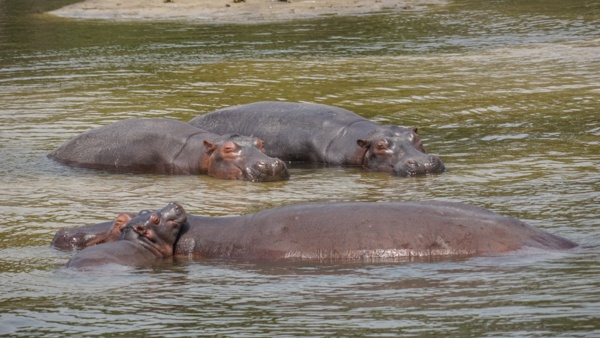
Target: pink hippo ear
x=260 y=145
x=121 y=222
x=363 y=143
x=209 y=146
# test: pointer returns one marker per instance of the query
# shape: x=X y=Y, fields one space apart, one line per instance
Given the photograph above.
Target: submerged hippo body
x=357 y=230
x=324 y=134
x=165 y=146
x=145 y=239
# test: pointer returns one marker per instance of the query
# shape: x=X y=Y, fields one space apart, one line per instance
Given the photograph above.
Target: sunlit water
x=507 y=93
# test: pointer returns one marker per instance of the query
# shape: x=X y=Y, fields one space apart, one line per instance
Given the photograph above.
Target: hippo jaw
x=423 y=165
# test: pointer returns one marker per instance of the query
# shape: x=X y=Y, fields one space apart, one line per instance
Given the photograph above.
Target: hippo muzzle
x=264 y=171
x=420 y=165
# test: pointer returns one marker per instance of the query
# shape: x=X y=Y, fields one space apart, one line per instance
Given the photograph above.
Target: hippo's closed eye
x=230 y=147
x=382 y=145
x=154 y=218
x=140 y=229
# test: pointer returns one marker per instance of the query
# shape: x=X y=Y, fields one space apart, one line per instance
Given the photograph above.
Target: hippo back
x=357 y=230
x=137 y=145
x=351 y=230
x=293 y=131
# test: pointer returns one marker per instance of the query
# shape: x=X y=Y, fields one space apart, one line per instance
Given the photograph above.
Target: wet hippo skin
x=145 y=239
x=164 y=146
x=317 y=133
x=357 y=230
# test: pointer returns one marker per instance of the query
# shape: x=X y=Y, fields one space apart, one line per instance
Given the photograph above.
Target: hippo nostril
x=411 y=163
x=261 y=163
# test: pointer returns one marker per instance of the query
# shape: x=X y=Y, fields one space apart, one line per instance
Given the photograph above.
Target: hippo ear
x=416 y=130
x=363 y=143
x=209 y=146
x=122 y=221
x=260 y=144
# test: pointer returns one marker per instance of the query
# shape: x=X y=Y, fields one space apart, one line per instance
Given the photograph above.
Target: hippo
x=317 y=133
x=144 y=240
x=166 y=146
x=90 y=236
x=359 y=231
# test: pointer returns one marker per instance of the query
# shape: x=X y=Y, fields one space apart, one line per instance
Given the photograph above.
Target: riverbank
x=227 y=11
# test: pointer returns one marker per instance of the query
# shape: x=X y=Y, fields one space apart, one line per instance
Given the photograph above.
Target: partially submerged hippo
x=165 y=146
x=324 y=134
x=358 y=230
x=145 y=239
x=92 y=235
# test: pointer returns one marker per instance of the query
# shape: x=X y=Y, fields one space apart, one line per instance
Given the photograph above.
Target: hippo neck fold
x=344 y=146
x=193 y=153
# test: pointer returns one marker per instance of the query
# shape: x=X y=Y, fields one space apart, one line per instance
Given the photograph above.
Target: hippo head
x=66 y=239
x=243 y=158
x=398 y=151
x=157 y=230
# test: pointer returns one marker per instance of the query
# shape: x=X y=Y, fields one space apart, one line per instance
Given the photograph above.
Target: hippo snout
x=418 y=166
x=262 y=171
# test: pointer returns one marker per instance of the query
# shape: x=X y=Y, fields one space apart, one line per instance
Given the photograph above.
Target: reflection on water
x=505 y=92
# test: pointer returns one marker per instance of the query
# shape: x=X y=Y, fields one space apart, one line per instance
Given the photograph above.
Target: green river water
x=506 y=92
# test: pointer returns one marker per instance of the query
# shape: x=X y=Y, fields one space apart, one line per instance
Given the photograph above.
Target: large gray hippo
x=319 y=133
x=352 y=231
x=166 y=146
x=146 y=238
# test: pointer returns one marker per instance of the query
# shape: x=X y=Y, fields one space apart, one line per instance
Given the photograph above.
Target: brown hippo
x=165 y=146
x=324 y=134
x=145 y=239
x=359 y=230
x=92 y=235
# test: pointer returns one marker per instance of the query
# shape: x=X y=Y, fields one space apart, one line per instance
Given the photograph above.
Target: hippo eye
x=229 y=147
x=382 y=145
x=155 y=219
